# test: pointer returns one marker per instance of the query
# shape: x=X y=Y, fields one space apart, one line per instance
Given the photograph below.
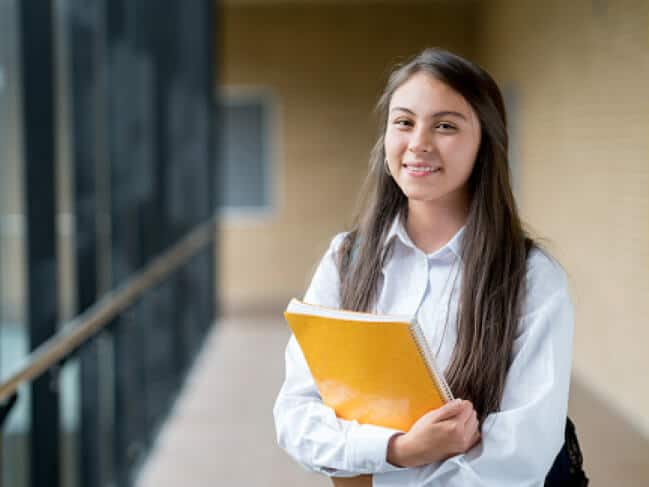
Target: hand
x=437 y=435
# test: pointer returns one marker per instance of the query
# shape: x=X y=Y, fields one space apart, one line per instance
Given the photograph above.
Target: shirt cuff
x=368 y=448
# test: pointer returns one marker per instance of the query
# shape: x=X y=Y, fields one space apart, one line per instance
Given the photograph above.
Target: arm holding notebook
x=311 y=433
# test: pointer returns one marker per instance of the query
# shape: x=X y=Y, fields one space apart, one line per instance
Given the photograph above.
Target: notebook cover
x=371 y=372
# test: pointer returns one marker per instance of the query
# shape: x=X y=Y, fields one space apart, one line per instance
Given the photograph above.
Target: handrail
x=76 y=331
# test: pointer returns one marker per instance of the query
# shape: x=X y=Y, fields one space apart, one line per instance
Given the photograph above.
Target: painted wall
x=583 y=123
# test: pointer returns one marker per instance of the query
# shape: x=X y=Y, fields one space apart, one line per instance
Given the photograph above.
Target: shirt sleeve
x=308 y=430
x=519 y=442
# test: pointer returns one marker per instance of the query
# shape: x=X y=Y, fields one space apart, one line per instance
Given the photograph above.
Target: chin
x=421 y=196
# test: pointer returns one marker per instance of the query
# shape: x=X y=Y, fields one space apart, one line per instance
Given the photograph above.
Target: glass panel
x=13 y=334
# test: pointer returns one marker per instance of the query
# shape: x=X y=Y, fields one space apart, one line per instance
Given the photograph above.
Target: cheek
x=394 y=142
x=461 y=155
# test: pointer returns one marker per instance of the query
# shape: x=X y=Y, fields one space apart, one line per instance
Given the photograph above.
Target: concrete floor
x=221 y=432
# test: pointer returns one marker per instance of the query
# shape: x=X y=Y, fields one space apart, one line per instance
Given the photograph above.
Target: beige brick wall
x=582 y=72
x=326 y=66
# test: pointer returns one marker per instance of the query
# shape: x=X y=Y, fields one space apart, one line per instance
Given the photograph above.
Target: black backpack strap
x=567 y=470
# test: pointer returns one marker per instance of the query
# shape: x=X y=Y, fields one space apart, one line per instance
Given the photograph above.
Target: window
x=244 y=135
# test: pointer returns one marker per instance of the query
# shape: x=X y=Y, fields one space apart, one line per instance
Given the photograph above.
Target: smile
x=421 y=169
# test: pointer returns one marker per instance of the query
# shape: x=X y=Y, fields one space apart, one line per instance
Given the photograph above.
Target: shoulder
x=334 y=248
x=545 y=281
x=325 y=287
x=337 y=242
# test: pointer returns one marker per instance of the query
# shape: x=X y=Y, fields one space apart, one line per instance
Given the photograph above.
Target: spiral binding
x=438 y=379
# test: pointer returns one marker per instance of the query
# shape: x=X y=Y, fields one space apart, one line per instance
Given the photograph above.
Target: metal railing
x=85 y=326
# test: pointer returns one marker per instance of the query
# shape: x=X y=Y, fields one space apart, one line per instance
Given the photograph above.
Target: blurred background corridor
x=171 y=172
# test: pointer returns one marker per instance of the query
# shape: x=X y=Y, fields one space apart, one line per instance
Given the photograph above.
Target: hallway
x=221 y=431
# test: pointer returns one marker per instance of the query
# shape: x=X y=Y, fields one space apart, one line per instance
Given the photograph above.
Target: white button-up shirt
x=519 y=442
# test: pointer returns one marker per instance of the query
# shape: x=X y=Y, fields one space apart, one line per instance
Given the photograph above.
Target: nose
x=421 y=141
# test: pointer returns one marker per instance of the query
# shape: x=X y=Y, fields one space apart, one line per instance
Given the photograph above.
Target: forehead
x=423 y=93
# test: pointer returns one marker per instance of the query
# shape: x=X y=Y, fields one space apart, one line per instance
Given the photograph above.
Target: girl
x=439 y=237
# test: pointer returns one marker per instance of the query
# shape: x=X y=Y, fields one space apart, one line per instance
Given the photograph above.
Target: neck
x=430 y=225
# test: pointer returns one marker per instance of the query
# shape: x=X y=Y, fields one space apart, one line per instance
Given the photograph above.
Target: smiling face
x=431 y=140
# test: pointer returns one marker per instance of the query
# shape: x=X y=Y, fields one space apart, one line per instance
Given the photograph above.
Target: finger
x=471 y=417
x=471 y=435
x=450 y=410
x=466 y=414
x=471 y=427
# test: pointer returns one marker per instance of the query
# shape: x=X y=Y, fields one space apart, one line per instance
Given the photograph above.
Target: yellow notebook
x=376 y=369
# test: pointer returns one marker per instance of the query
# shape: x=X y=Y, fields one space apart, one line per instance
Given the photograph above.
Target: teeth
x=421 y=169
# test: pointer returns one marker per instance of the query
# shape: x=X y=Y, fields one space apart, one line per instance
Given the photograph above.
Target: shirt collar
x=398 y=231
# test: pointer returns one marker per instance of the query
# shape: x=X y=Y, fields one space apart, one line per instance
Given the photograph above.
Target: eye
x=402 y=122
x=447 y=127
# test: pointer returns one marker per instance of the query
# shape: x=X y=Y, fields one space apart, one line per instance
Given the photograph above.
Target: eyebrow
x=443 y=113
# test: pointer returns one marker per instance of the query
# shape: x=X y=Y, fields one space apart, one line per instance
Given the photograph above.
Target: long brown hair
x=494 y=245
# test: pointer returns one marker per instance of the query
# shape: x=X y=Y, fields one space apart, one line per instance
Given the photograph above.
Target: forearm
x=312 y=434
